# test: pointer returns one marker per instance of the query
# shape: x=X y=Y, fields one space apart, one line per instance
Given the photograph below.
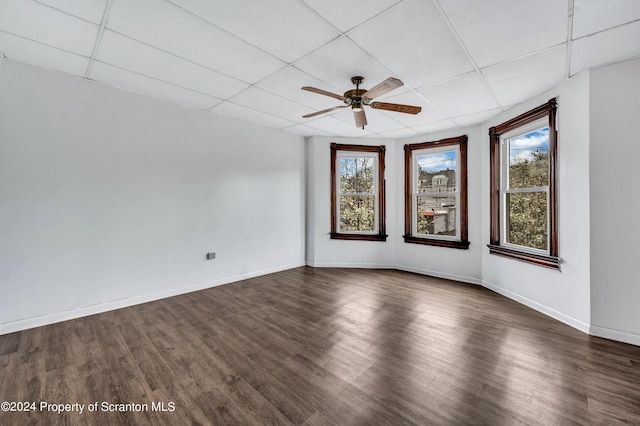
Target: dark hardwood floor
x=323 y=347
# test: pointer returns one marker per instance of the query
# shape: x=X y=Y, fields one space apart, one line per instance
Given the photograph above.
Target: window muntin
x=523 y=196
x=357 y=192
x=436 y=193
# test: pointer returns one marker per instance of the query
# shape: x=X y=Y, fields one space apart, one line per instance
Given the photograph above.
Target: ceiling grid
x=96 y=46
x=461 y=61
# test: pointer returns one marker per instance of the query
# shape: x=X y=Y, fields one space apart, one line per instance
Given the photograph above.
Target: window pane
x=436 y=216
x=529 y=160
x=437 y=172
x=357 y=213
x=527 y=219
x=356 y=175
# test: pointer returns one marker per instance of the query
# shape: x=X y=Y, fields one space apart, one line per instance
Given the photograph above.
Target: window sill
x=536 y=259
x=457 y=244
x=358 y=237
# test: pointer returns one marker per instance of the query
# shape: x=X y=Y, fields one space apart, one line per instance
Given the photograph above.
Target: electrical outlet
x=211 y=255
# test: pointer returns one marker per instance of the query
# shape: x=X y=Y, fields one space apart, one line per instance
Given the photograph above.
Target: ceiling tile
x=346 y=14
x=131 y=55
x=242 y=113
x=435 y=127
x=591 y=16
x=516 y=81
x=49 y=26
x=285 y=28
x=405 y=132
x=272 y=104
x=460 y=96
x=498 y=30
x=23 y=50
x=302 y=130
x=476 y=118
x=288 y=83
x=133 y=82
x=91 y=10
x=338 y=61
x=175 y=30
x=334 y=126
x=605 y=47
x=413 y=41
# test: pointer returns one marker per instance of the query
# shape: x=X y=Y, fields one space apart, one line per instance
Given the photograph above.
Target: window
x=524 y=219
x=357 y=192
x=435 y=203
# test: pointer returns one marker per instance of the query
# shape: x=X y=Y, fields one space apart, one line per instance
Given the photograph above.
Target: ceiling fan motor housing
x=354 y=96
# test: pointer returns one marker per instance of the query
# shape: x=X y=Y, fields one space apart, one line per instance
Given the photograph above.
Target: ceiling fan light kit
x=357 y=98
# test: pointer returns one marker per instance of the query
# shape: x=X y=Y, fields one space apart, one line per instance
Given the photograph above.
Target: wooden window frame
x=381 y=190
x=463 y=242
x=551 y=260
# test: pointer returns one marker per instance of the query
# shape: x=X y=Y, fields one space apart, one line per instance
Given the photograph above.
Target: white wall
x=462 y=265
x=322 y=250
x=108 y=198
x=615 y=204
x=563 y=295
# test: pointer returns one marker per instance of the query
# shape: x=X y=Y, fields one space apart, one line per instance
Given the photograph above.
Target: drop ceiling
x=462 y=61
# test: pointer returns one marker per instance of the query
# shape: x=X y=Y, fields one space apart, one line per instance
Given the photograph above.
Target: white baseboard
x=582 y=326
x=429 y=272
x=351 y=265
x=611 y=334
x=24 y=324
x=607 y=333
x=438 y=274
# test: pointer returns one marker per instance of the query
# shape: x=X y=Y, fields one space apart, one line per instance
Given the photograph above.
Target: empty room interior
x=312 y=212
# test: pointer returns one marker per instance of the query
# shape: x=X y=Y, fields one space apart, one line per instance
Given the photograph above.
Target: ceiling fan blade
x=323 y=92
x=407 y=109
x=382 y=88
x=313 y=114
x=361 y=118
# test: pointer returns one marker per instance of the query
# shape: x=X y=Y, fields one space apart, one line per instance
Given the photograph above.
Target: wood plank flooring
x=316 y=346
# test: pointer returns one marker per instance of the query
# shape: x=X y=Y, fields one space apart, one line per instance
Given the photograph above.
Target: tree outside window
x=526 y=189
x=357 y=192
x=524 y=219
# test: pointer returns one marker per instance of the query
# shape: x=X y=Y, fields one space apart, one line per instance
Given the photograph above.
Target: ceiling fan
x=357 y=98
